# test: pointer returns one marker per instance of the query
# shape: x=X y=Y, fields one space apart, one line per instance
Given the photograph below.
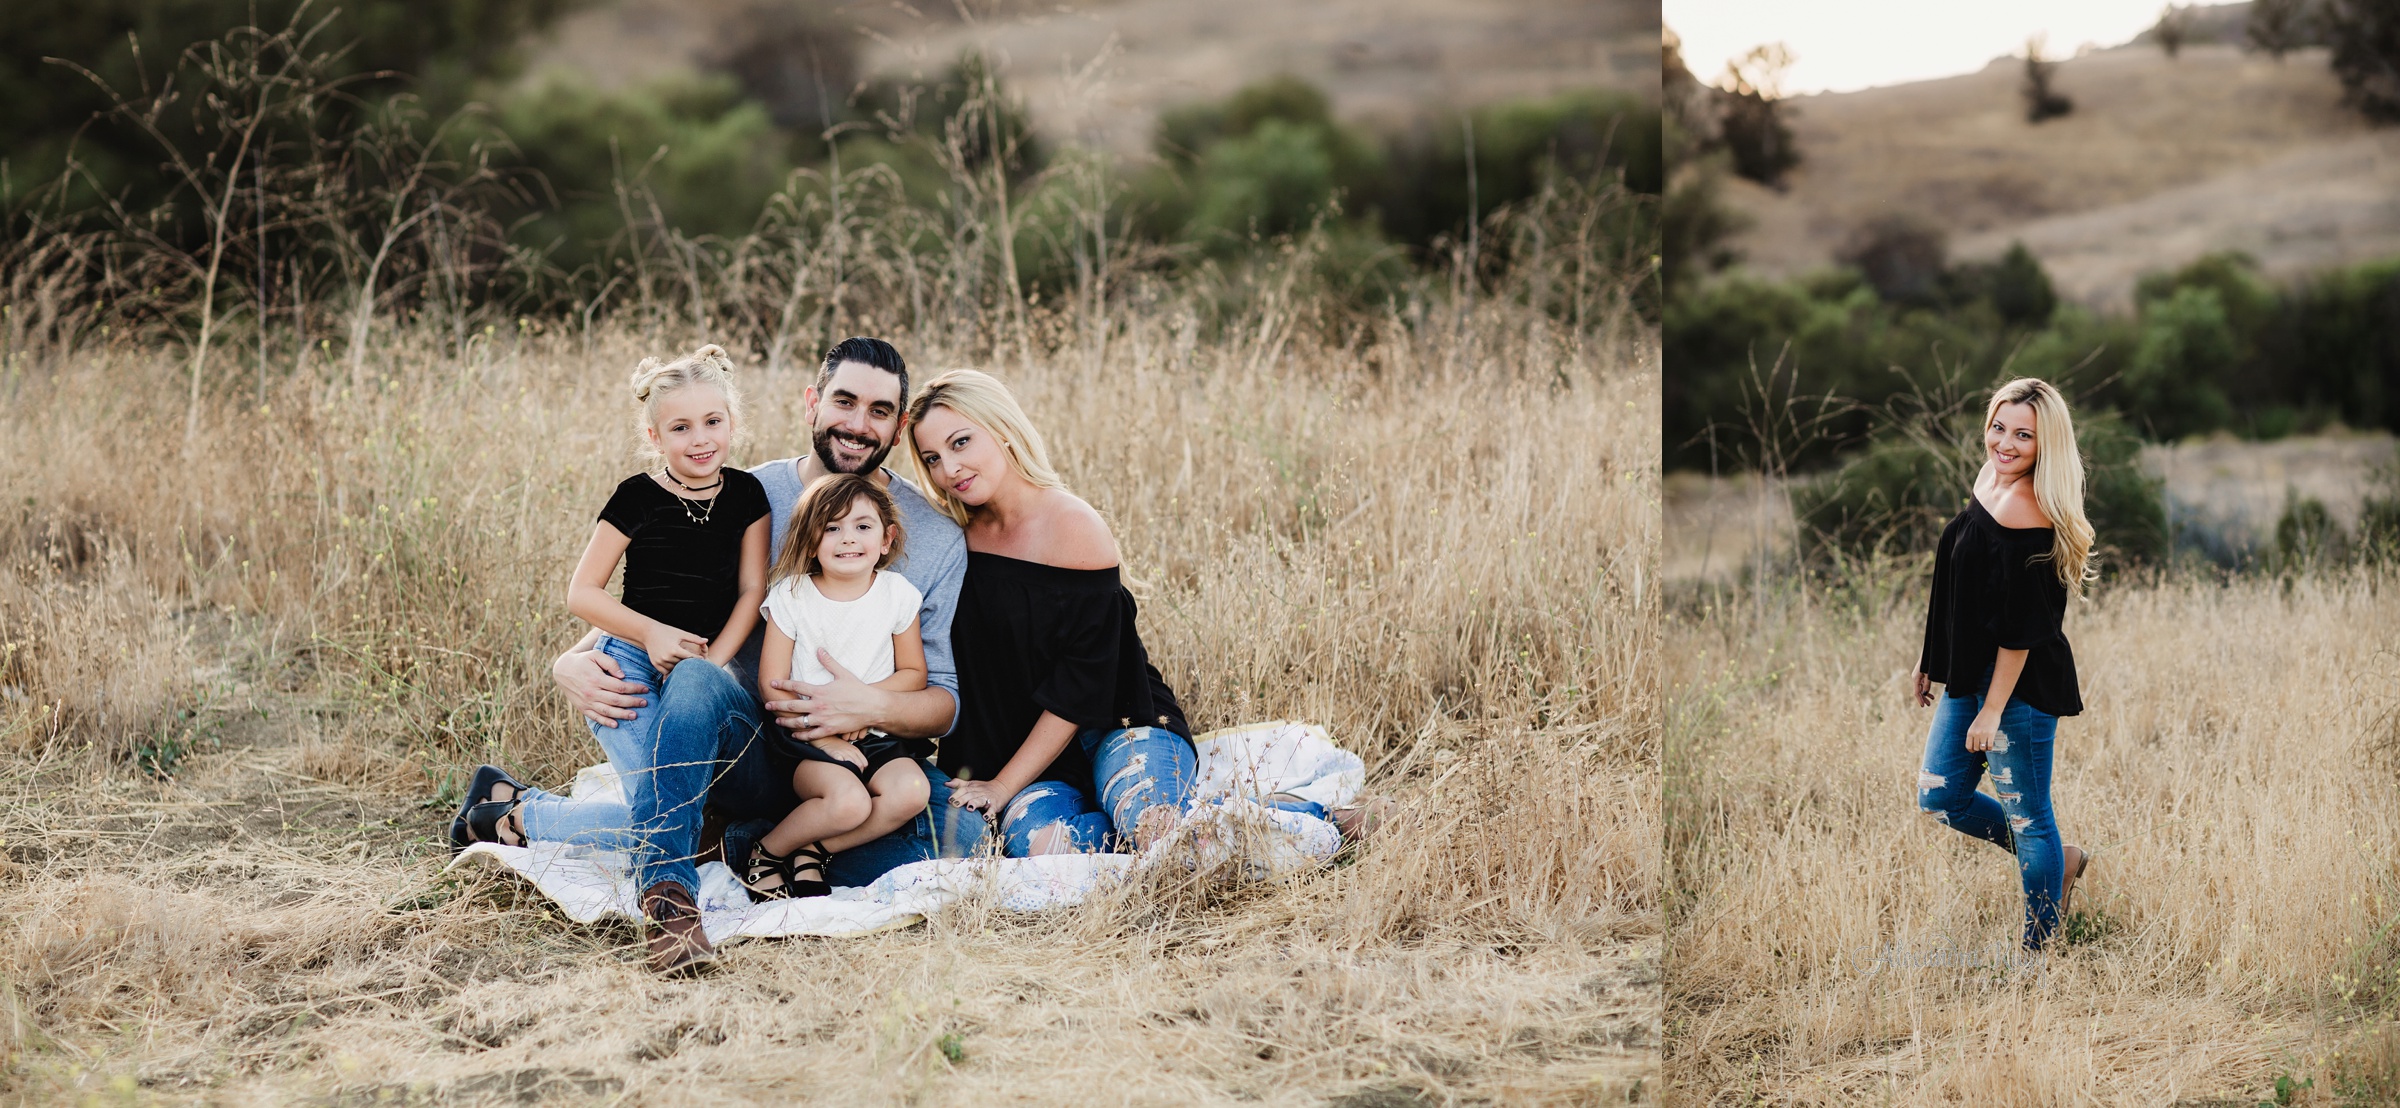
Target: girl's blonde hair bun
x=708 y=364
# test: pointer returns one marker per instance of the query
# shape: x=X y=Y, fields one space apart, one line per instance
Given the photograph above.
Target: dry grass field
x=2235 y=772
x=2161 y=161
x=243 y=673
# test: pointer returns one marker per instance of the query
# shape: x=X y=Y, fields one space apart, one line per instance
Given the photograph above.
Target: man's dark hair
x=867 y=351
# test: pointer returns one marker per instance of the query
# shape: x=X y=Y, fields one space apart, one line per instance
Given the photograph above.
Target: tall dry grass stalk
x=240 y=680
x=2233 y=769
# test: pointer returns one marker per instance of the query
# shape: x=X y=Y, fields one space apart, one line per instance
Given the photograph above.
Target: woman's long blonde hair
x=2057 y=477
x=982 y=400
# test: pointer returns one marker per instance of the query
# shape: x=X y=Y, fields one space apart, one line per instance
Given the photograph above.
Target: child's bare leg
x=832 y=801
x=899 y=792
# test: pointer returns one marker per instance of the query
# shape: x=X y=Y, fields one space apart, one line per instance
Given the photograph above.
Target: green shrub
x=1273 y=181
x=2306 y=533
x=709 y=157
x=2188 y=351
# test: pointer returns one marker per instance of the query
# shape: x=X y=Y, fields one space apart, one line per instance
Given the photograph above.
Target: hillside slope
x=2161 y=161
x=1101 y=70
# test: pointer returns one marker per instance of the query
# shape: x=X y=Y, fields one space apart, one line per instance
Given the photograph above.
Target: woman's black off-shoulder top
x=1994 y=587
x=1031 y=638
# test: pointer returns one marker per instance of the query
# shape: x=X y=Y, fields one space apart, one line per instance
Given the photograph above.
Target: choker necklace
x=708 y=507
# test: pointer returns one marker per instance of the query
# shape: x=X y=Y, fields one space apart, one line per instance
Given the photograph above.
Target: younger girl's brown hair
x=826 y=500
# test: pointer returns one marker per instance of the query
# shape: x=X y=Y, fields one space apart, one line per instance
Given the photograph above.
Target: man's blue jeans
x=2019 y=820
x=712 y=712
x=1135 y=768
x=665 y=774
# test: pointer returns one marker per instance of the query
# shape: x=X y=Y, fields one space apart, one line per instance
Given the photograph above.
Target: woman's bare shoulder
x=2019 y=509
x=1073 y=534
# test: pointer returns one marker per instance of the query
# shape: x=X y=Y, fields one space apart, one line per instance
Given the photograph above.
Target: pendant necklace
x=708 y=508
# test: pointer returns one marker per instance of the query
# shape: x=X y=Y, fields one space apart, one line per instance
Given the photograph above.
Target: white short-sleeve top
x=857 y=632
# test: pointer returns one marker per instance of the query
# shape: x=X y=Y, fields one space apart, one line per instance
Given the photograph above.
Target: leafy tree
x=1903 y=256
x=1694 y=221
x=2016 y=286
x=2042 y=101
x=1750 y=115
x=2365 y=35
x=2277 y=26
x=2173 y=29
x=131 y=45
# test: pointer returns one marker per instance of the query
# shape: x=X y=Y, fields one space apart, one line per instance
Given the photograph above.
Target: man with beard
x=709 y=717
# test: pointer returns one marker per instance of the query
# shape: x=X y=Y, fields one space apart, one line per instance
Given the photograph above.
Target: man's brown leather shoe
x=677 y=944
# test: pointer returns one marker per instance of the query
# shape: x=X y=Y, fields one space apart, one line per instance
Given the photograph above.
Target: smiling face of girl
x=853 y=545
x=2009 y=440
x=966 y=459
x=693 y=427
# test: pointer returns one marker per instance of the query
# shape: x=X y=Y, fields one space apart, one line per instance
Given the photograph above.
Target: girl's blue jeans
x=658 y=821
x=2019 y=818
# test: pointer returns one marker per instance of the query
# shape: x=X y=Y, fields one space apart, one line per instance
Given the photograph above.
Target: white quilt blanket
x=1237 y=766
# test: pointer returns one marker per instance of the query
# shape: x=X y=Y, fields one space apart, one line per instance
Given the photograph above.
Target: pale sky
x=1844 y=45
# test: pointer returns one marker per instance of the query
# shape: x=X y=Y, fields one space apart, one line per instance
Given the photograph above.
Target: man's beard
x=823 y=444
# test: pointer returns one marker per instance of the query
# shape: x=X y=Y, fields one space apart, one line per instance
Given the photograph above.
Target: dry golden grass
x=1438 y=537
x=2233 y=768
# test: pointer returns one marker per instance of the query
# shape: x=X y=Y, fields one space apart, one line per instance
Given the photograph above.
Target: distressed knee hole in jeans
x=2019 y=823
x=2000 y=776
x=1016 y=807
x=2011 y=798
x=1928 y=780
x=1054 y=838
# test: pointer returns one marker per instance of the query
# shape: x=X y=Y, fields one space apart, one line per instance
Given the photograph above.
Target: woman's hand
x=987 y=797
x=669 y=645
x=843 y=751
x=1924 y=690
x=1984 y=733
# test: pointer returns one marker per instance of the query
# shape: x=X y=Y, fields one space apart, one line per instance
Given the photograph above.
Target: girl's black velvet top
x=1990 y=592
x=684 y=574
x=1031 y=638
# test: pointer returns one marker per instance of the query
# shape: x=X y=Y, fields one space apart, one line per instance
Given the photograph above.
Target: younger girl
x=831 y=593
x=693 y=537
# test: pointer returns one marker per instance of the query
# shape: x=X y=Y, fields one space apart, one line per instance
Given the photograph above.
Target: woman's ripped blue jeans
x=1133 y=770
x=2019 y=818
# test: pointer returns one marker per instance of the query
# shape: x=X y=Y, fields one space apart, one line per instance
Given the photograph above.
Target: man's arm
x=848 y=704
x=594 y=684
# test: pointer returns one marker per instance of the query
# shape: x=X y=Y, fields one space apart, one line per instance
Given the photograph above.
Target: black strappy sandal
x=479 y=816
x=812 y=856
x=766 y=865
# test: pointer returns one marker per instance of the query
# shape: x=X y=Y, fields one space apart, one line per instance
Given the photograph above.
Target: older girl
x=1067 y=738
x=692 y=534
x=1993 y=639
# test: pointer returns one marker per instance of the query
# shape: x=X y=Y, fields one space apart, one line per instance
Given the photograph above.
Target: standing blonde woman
x=1994 y=640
